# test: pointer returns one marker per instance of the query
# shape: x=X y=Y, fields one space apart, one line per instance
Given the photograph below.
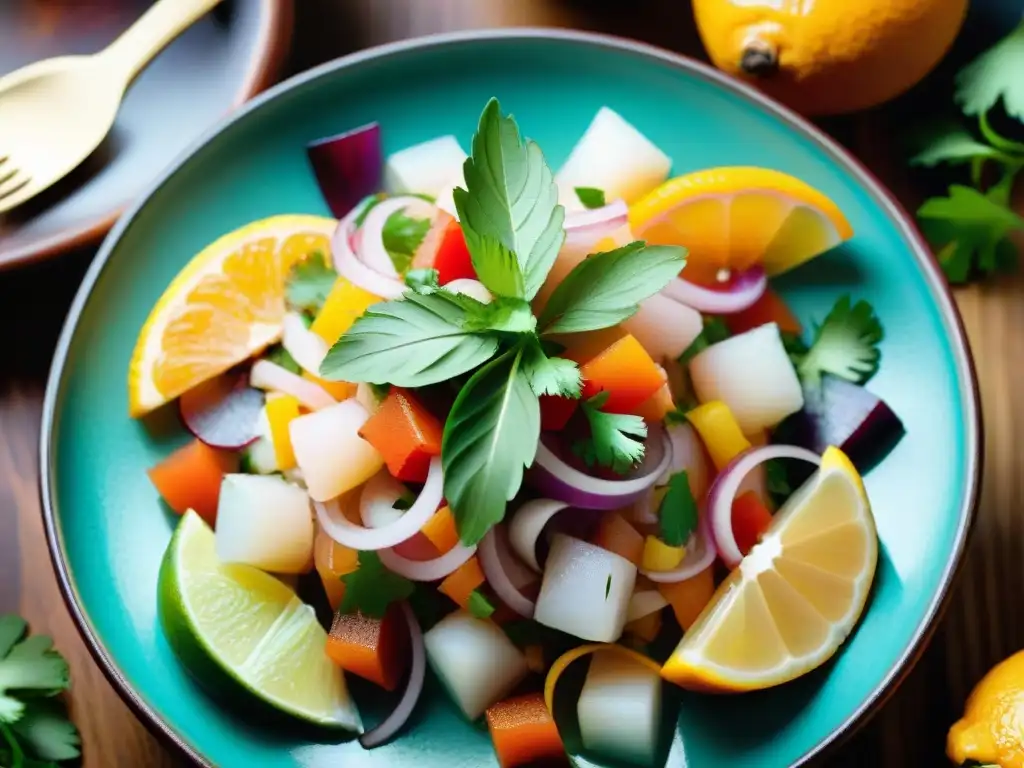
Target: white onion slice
x=348 y=534
x=427 y=570
x=371 y=243
x=367 y=398
x=498 y=578
x=644 y=603
x=355 y=271
x=526 y=527
x=727 y=484
x=270 y=376
x=700 y=554
x=597 y=222
x=377 y=501
x=739 y=293
x=305 y=347
x=393 y=723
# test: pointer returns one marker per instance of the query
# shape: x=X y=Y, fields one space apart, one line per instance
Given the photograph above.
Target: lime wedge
x=251 y=626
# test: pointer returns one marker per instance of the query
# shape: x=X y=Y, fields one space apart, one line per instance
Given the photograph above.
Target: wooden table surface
x=909 y=731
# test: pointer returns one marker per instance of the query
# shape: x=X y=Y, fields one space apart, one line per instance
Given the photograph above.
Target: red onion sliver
x=494 y=572
x=393 y=723
x=735 y=296
x=305 y=347
x=526 y=526
x=598 y=221
x=700 y=554
x=348 y=534
x=371 y=244
x=348 y=166
x=271 y=376
x=688 y=454
x=356 y=272
x=727 y=484
x=427 y=570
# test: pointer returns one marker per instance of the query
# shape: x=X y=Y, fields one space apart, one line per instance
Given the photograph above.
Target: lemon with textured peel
x=238 y=621
x=226 y=305
x=991 y=732
x=794 y=598
x=734 y=218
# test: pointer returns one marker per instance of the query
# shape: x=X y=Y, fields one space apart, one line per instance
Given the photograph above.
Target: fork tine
x=5 y=177
x=9 y=185
x=4 y=159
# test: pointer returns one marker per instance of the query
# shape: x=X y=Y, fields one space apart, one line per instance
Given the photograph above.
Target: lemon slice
x=734 y=218
x=226 y=305
x=795 y=597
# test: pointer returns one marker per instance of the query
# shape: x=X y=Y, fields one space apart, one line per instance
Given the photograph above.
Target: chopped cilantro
x=423 y=280
x=845 y=345
x=591 y=197
x=616 y=439
x=608 y=586
x=479 y=605
x=371 y=588
x=677 y=515
x=309 y=283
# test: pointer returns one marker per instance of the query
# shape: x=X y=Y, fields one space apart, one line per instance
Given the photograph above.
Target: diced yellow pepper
x=440 y=530
x=339 y=390
x=659 y=556
x=689 y=597
x=719 y=431
x=459 y=584
x=281 y=410
x=646 y=628
x=344 y=305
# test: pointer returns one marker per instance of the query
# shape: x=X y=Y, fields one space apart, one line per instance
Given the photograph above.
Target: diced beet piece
x=349 y=167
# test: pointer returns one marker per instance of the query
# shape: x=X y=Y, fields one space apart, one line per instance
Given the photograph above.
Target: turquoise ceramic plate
x=108 y=531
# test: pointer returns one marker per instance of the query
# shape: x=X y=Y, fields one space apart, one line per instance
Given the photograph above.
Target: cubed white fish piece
x=585 y=591
x=619 y=709
x=426 y=168
x=752 y=374
x=265 y=522
x=613 y=156
x=664 y=328
x=475 y=660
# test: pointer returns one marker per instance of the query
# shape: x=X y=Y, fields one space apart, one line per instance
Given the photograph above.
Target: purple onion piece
x=223 y=412
x=349 y=167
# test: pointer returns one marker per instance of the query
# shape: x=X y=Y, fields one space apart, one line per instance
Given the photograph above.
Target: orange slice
x=734 y=218
x=795 y=598
x=226 y=305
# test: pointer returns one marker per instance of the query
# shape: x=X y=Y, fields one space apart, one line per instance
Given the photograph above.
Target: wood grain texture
x=976 y=631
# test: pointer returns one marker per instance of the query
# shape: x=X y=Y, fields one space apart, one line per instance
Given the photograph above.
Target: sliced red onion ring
x=348 y=534
x=557 y=480
x=599 y=222
x=643 y=511
x=356 y=272
x=371 y=244
x=526 y=526
x=688 y=454
x=700 y=554
x=393 y=723
x=727 y=485
x=498 y=578
x=305 y=347
x=644 y=603
x=739 y=293
x=427 y=570
x=271 y=376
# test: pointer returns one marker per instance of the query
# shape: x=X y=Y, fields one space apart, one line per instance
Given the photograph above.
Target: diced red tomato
x=555 y=412
x=770 y=308
x=750 y=519
x=406 y=434
x=452 y=261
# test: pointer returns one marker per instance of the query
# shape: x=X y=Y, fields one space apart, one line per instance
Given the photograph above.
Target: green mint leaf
x=952 y=144
x=497 y=268
x=402 y=236
x=423 y=281
x=503 y=315
x=845 y=345
x=714 y=331
x=413 y=342
x=45 y=731
x=550 y=375
x=309 y=283
x=282 y=357
x=616 y=440
x=371 y=587
x=510 y=196
x=479 y=605
x=490 y=437
x=995 y=75
x=591 y=197
x=606 y=288
x=677 y=515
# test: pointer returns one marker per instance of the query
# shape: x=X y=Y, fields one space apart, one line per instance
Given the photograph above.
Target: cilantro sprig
x=371 y=587
x=513 y=227
x=845 y=344
x=677 y=515
x=309 y=283
x=34 y=728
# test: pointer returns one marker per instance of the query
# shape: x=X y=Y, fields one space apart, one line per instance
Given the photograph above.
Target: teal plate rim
x=966 y=374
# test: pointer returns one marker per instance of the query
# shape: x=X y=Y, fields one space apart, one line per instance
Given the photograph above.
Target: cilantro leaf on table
x=371 y=587
x=46 y=732
x=714 y=331
x=413 y=342
x=479 y=605
x=282 y=357
x=952 y=144
x=550 y=375
x=309 y=283
x=490 y=438
x=995 y=75
x=402 y=236
x=423 y=281
x=510 y=196
x=606 y=288
x=677 y=515
x=497 y=268
x=845 y=344
x=591 y=197
x=616 y=439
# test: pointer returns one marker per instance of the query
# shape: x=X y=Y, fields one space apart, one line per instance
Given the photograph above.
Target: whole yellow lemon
x=825 y=57
x=992 y=728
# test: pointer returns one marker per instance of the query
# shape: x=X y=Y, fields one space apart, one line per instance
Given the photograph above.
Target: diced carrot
x=556 y=411
x=281 y=411
x=616 y=535
x=770 y=308
x=750 y=519
x=406 y=434
x=583 y=347
x=524 y=732
x=626 y=372
x=190 y=478
x=688 y=597
x=332 y=561
x=339 y=390
x=453 y=261
x=344 y=305
x=374 y=649
x=655 y=408
x=719 y=431
x=440 y=530
x=460 y=583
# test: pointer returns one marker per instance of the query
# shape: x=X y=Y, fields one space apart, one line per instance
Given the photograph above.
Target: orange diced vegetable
x=460 y=583
x=583 y=347
x=406 y=434
x=339 y=390
x=770 y=308
x=626 y=372
x=618 y=536
x=524 y=732
x=417 y=547
x=659 y=405
x=719 y=431
x=281 y=411
x=555 y=412
x=190 y=479
x=344 y=305
x=332 y=561
x=374 y=649
x=689 y=597
x=750 y=519
x=440 y=530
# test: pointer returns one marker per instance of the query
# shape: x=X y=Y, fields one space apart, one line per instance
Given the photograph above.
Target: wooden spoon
x=55 y=112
